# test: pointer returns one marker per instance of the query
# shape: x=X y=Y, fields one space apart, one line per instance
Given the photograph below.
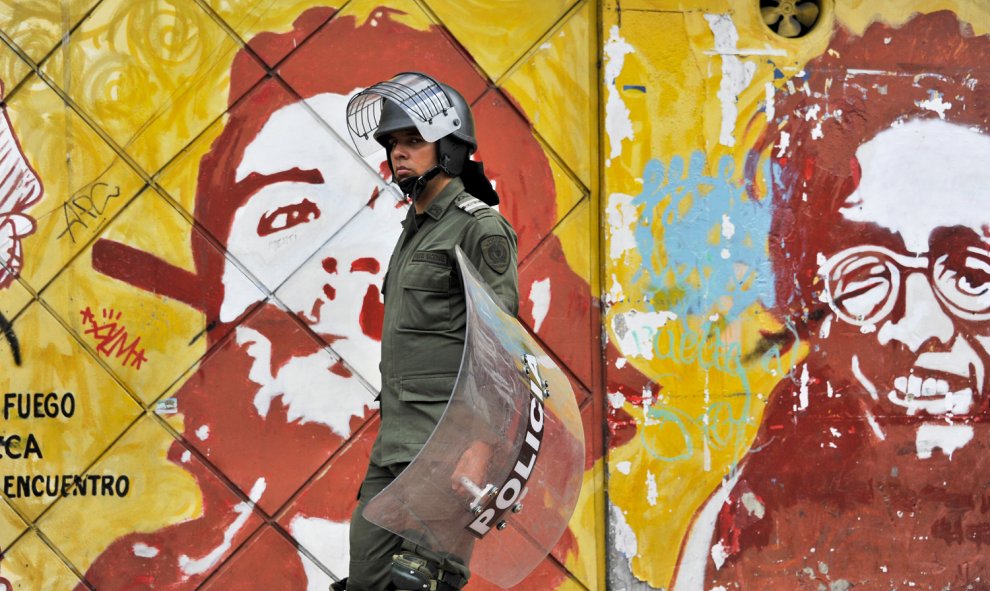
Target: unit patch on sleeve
x=495 y=250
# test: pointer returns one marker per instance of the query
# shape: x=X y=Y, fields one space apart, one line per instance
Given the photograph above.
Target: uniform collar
x=440 y=204
x=444 y=198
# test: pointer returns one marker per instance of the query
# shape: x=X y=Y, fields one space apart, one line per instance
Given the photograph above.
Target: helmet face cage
x=422 y=98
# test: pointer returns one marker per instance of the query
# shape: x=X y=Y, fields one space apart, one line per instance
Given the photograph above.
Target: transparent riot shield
x=497 y=481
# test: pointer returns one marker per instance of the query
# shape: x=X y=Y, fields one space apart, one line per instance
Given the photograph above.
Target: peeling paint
x=618 y=126
x=736 y=73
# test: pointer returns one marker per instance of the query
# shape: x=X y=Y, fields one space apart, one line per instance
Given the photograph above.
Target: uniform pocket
x=425 y=401
x=425 y=298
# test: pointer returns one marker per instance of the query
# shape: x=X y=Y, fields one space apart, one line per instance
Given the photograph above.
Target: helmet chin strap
x=414 y=186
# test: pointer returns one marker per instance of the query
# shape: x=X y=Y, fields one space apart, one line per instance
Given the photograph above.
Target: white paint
x=769 y=103
x=621 y=217
x=198 y=566
x=728 y=228
x=186 y=456
x=615 y=293
x=624 y=467
x=616 y=400
x=948 y=438
x=803 y=394
x=875 y=425
x=621 y=362
x=623 y=536
x=618 y=124
x=203 y=432
x=921 y=175
x=725 y=254
x=539 y=296
x=927 y=320
x=652 y=494
x=754 y=506
x=785 y=142
x=698 y=542
x=328 y=541
x=368 y=237
x=736 y=73
x=293 y=138
x=826 y=327
x=863 y=380
x=311 y=392
x=636 y=331
x=142 y=550
x=935 y=104
x=719 y=555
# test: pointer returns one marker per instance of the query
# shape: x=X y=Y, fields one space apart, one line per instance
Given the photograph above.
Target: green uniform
x=422 y=345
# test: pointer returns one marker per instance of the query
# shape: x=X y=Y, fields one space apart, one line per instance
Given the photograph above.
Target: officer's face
x=412 y=156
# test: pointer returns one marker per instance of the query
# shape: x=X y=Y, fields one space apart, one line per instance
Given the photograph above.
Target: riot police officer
x=427 y=130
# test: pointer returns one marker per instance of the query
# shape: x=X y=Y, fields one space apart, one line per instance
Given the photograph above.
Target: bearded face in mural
x=869 y=466
x=280 y=406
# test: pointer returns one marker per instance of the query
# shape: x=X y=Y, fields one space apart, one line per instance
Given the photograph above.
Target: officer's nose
x=922 y=319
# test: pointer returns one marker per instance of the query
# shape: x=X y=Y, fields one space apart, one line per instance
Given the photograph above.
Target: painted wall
x=797 y=287
x=192 y=257
x=788 y=264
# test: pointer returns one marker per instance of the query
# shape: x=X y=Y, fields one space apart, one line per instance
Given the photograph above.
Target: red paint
x=366 y=265
x=373 y=313
x=292 y=456
x=286 y=217
x=863 y=505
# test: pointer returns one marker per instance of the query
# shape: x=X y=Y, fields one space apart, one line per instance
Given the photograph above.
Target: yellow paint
x=31 y=564
x=178 y=180
x=11 y=526
x=498 y=34
x=80 y=176
x=405 y=12
x=555 y=87
x=161 y=494
x=153 y=77
x=102 y=408
x=587 y=524
x=167 y=329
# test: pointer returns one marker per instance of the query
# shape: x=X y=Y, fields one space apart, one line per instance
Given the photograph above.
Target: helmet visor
x=421 y=97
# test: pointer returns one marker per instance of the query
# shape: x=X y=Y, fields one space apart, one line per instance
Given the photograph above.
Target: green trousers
x=372 y=547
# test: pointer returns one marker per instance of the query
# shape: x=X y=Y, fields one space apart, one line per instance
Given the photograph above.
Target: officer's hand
x=472 y=466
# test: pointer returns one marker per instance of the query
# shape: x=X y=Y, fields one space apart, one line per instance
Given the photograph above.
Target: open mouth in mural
x=933 y=392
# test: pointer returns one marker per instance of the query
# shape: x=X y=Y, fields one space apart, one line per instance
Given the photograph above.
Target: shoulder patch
x=495 y=250
x=473 y=205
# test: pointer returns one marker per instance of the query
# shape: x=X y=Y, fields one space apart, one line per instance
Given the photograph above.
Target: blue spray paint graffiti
x=734 y=270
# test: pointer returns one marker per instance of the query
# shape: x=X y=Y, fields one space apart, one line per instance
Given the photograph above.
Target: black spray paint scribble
x=7 y=327
x=87 y=206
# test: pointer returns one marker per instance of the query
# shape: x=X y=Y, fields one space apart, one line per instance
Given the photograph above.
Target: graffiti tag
x=112 y=337
x=90 y=203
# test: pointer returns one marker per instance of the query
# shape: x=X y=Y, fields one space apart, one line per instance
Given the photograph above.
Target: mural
x=193 y=323
x=774 y=318
x=805 y=293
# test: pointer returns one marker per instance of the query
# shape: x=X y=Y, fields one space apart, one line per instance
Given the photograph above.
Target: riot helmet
x=440 y=114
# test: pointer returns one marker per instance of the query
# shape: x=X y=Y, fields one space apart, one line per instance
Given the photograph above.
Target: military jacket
x=425 y=312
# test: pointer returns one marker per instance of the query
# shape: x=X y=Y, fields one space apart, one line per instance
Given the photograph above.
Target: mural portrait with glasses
x=880 y=245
